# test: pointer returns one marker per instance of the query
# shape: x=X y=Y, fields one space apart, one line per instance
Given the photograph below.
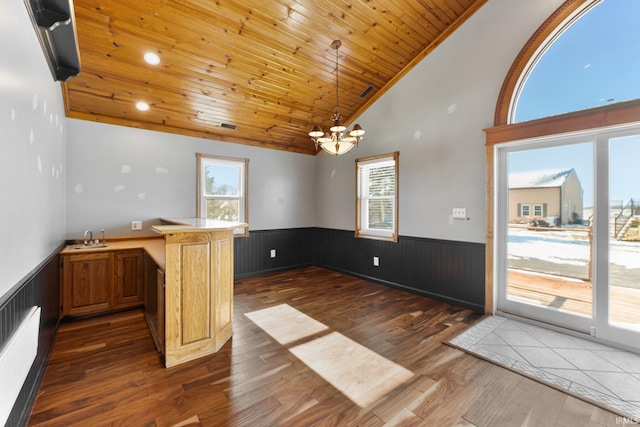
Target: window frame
x=363 y=230
x=528 y=208
x=243 y=199
x=536 y=208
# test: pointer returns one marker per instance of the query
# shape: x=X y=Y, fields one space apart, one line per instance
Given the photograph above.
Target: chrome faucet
x=90 y=241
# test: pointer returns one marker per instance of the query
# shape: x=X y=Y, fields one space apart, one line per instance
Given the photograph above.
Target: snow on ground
x=567 y=248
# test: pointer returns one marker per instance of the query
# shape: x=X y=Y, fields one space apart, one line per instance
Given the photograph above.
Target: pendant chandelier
x=338 y=141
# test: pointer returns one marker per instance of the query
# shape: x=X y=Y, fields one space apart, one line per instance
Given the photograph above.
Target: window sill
x=383 y=237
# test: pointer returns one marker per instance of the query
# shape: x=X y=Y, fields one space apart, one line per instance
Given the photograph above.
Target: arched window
x=590 y=61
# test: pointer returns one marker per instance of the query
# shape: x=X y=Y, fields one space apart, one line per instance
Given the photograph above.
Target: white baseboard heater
x=16 y=359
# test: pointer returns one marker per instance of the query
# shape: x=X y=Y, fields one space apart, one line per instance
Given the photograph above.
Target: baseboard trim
x=271 y=271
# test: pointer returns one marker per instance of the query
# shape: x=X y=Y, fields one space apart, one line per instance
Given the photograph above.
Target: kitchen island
x=183 y=278
x=198 y=287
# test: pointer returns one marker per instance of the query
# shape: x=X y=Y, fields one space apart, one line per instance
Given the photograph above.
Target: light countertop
x=173 y=225
x=155 y=247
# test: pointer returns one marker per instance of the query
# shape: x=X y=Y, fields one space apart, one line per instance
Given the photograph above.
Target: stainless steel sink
x=94 y=246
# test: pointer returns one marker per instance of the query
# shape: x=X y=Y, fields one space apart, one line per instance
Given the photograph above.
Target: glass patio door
x=568 y=233
x=546 y=199
x=618 y=310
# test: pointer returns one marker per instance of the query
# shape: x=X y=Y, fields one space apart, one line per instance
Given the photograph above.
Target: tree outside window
x=222 y=185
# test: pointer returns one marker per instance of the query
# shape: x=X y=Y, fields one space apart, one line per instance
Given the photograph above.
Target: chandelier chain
x=337 y=81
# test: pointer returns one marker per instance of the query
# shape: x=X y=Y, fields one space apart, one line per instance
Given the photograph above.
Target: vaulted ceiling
x=265 y=67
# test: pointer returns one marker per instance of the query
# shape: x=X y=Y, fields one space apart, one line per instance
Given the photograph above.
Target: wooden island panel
x=198 y=293
x=224 y=290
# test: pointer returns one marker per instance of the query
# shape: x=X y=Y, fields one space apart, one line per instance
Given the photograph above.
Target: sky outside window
x=594 y=62
x=226 y=178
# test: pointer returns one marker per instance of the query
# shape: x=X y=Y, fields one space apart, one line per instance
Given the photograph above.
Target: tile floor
x=608 y=376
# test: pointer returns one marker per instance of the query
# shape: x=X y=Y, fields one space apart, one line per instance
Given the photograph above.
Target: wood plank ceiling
x=265 y=66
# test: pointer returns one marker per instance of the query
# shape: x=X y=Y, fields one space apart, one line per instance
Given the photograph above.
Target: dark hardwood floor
x=105 y=370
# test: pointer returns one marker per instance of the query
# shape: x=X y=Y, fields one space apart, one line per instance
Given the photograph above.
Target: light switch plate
x=136 y=225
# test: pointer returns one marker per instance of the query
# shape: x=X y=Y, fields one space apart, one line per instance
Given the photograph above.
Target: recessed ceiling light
x=142 y=106
x=151 y=58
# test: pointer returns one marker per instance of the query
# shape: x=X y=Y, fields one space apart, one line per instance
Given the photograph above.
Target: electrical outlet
x=376 y=261
x=136 y=225
x=459 y=213
x=273 y=253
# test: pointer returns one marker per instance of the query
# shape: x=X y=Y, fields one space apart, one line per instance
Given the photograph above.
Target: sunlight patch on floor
x=359 y=373
x=285 y=324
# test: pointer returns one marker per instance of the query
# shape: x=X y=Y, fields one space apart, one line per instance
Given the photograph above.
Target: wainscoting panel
x=40 y=288
x=294 y=248
x=446 y=270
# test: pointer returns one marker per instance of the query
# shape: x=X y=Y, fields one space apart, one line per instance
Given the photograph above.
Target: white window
x=537 y=210
x=222 y=185
x=377 y=197
x=526 y=210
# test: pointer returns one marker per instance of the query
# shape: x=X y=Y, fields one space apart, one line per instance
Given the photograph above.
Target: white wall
x=434 y=117
x=32 y=150
x=118 y=174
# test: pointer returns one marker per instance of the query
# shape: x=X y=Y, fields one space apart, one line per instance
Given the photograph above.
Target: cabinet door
x=87 y=283
x=129 y=284
x=154 y=300
x=150 y=285
x=160 y=327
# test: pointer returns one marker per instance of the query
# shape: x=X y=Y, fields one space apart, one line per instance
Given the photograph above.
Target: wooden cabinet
x=184 y=282
x=87 y=283
x=98 y=282
x=198 y=293
x=129 y=279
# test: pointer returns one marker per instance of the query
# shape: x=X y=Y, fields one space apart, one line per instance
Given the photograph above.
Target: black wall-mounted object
x=55 y=25
x=40 y=288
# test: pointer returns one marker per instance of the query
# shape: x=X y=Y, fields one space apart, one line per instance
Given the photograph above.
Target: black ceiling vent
x=228 y=126
x=55 y=26
x=366 y=92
